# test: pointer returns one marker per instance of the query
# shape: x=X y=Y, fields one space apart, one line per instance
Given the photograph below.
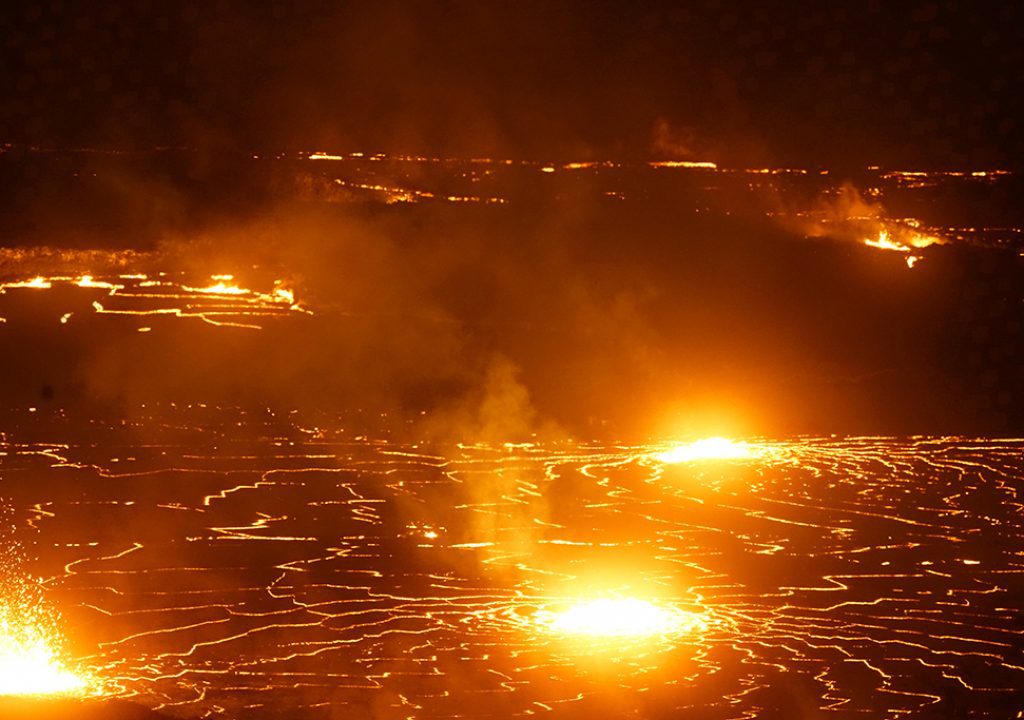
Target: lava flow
x=222 y=302
x=264 y=568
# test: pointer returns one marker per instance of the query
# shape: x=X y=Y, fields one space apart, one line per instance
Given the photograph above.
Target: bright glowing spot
x=29 y=663
x=430 y=535
x=906 y=242
x=220 y=288
x=683 y=164
x=912 y=260
x=87 y=281
x=36 y=282
x=547 y=169
x=882 y=242
x=65 y=317
x=714 y=448
x=608 y=617
x=918 y=240
x=284 y=294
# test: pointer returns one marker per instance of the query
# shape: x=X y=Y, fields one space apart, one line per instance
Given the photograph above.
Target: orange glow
x=221 y=287
x=30 y=663
x=222 y=302
x=87 y=281
x=905 y=242
x=284 y=294
x=36 y=282
x=626 y=617
x=703 y=165
x=713 y=448
x=882 y=242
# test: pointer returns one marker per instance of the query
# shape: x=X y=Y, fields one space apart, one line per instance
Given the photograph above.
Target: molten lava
x=906 y=241
x=713 y=448
x=628 y=617
x=222 y=303
x=223 y=286
x=30 y=662
x=36 y=282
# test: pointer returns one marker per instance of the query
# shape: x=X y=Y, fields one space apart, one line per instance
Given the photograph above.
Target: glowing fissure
x=221 y=303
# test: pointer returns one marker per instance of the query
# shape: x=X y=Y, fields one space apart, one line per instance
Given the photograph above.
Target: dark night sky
x=857 y=82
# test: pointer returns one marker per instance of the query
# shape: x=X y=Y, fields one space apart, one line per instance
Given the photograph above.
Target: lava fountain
x=31 y=662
